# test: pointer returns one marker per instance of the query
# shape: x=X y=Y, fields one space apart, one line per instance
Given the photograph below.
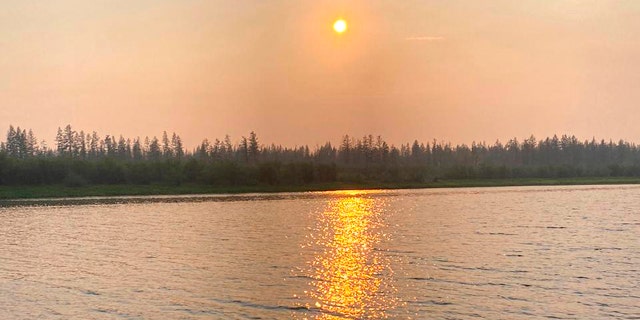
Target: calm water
x=492 y=253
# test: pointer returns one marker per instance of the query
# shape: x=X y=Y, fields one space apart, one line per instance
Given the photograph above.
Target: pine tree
x=228 y=147
x=253 y=147
x=122 y=148
x=154 y=149
x=166 y=146
x=22 y=143
x=82 y=144
x=136 y=150
x=68 y=139
x=176 y=146
x=11 y=145
x=110 y=146
x=203 y=150
x=32 y=144
x=345 y=149
x=244 y=149
x=94 y=145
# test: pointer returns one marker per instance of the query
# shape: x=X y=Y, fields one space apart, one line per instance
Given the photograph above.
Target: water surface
x=492 y=253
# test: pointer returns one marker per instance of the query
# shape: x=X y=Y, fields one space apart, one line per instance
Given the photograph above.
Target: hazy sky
x=451 y=70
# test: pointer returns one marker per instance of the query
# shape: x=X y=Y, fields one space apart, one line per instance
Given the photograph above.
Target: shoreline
x=59 y=191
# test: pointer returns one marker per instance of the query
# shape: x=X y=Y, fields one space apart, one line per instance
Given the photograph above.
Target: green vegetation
x=61 y=191
x=88 y=165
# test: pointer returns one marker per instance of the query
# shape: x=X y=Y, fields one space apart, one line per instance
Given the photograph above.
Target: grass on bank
x=60 y=191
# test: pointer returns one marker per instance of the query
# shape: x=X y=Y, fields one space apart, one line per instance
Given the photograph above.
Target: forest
x=79 y=159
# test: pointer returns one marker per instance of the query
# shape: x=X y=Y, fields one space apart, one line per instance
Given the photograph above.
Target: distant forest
x=79 y=159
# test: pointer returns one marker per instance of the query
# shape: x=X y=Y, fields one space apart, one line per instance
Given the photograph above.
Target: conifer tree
x=166 y=146
x=136 y=150
x=154 y=149
x=176 y=146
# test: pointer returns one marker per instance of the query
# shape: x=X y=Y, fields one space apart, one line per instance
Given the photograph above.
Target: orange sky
x=451 y=70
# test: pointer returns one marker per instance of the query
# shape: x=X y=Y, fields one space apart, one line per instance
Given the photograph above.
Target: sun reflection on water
x=351 y=277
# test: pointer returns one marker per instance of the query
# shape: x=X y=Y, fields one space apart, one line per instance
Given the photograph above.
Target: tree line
x=78 y=158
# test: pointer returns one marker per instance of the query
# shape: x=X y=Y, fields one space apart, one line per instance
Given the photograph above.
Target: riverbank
x=58 y=191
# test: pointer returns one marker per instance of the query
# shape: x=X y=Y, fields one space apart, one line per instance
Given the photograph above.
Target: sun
x=340 y=26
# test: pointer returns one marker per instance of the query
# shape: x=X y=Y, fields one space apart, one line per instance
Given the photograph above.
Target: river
x=564 y=252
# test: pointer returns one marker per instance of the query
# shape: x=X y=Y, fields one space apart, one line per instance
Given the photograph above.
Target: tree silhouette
x=94 y=160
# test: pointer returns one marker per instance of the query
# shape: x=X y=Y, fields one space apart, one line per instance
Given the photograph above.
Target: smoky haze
x=456 y=71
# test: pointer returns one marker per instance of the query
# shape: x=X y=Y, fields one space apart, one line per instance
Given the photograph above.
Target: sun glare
x=340 y=26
